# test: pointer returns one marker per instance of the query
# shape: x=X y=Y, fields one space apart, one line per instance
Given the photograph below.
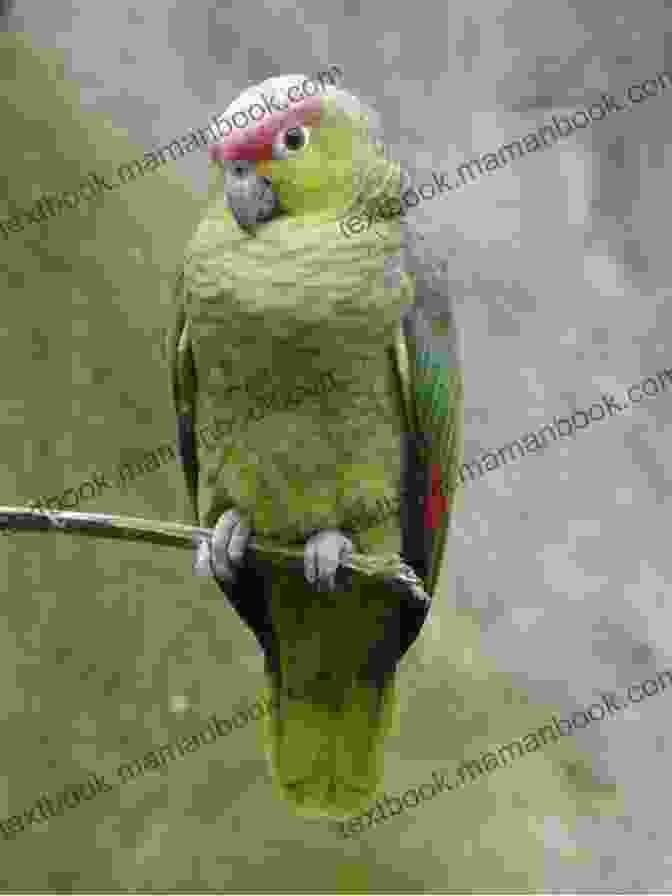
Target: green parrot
x=329 y=367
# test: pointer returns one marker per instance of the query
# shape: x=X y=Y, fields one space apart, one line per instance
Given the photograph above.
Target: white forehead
x=273 y=88
x=277 y=89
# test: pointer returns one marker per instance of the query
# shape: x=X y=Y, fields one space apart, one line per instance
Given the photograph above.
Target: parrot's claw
x=226 y=550
x=324 y=553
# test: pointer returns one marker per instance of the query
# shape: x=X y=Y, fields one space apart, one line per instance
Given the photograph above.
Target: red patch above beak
x=255 y=144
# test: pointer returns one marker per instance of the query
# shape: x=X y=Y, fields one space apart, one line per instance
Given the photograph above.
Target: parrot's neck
x=377 y=180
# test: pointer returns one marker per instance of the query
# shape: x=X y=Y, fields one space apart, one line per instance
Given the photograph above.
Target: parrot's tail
x=333 y=696
x=326 y=752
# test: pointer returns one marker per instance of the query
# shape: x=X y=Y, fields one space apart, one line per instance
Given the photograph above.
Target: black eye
x=295 y=138
x=288 y=143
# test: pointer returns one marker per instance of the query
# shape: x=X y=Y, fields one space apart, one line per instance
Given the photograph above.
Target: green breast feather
x=289 y=340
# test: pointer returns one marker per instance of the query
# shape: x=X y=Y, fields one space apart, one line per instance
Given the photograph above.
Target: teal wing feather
x=184 y=387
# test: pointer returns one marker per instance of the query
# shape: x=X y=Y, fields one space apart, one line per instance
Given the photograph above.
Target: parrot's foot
x=226 y=551
x=324 y=553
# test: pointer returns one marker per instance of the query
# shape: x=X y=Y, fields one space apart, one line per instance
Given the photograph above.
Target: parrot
x=332 y=369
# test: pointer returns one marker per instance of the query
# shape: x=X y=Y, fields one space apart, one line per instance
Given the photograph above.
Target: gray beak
x=250 y=197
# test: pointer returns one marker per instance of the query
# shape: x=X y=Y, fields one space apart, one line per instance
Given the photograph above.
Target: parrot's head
x=319 y=156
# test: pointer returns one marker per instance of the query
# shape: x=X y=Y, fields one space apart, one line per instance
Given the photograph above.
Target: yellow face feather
x=323 y=176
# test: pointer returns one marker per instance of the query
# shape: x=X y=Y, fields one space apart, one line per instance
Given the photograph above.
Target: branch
x=388 y=567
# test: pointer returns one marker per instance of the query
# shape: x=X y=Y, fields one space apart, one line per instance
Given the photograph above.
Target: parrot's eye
x=295 y=138
x=290 y=142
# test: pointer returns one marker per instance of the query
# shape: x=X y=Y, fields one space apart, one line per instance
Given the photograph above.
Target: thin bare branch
x=260 y=553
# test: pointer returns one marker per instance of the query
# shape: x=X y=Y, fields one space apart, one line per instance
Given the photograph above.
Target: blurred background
x=554 y=590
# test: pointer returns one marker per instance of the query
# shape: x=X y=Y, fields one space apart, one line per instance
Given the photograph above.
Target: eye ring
x=291 y=141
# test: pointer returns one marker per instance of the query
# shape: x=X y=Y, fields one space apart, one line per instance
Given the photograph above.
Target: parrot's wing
x=183 y=377
x=428 y=362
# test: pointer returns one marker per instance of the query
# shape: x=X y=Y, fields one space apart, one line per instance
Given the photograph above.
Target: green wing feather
x=184 y=386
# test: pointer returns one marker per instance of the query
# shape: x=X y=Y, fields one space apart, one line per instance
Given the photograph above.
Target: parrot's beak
x=249 y=194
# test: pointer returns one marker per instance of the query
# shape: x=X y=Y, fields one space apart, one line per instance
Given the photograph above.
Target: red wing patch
x=436 y=503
